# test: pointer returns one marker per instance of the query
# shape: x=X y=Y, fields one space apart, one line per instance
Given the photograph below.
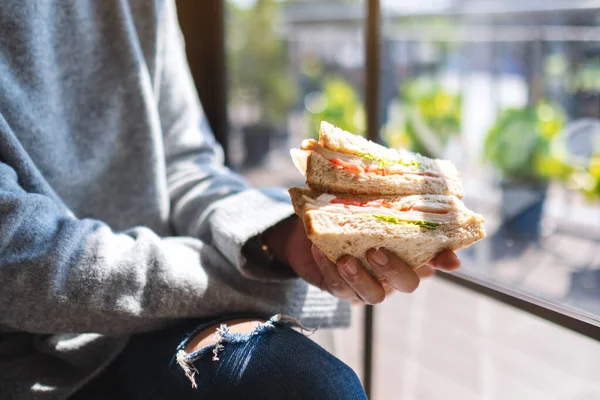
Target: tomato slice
x=347 y=166
x=377 y=171
x=337 y=162
x=350 y=167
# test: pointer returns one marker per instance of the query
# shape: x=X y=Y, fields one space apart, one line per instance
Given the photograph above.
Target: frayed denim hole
x=186 y=360
x=205 y=325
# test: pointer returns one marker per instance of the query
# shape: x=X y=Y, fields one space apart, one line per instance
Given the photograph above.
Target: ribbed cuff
x=241 y=218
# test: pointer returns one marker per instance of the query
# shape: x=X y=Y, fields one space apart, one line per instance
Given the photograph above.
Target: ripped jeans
x=272 y=362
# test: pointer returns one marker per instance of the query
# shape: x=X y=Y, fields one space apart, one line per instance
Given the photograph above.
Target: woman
x=126 y=242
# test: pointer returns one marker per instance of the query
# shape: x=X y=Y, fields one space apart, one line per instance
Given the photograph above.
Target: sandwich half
x=341 y=162
x=415 y=228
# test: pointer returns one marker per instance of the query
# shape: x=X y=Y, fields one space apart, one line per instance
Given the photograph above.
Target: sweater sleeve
x=63 y=274
x=209 y=201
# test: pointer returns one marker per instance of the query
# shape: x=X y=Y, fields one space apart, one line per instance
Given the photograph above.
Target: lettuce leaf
x=394 y=220
x=386 y=162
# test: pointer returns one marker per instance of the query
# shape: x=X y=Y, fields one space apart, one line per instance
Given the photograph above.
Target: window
x=510 y=92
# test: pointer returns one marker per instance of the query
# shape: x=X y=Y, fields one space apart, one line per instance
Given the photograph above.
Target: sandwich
x=415 y=210
x=347 y=163
x=415 y=228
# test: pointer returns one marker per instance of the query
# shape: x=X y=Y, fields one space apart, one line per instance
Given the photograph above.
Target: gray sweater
x=116 y=213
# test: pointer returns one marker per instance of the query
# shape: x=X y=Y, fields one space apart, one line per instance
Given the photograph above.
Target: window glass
x=510 y=92
x=290 y=64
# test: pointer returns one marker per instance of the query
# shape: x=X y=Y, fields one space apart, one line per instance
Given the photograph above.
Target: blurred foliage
x=556 y=65
x=436 y=29
x=593 y=189
x=586 y=77
x=258 y=60
x=338 y=103
x=395 y=136
x=429 y=110
x=587 y=179
x=521 y=144
x=311 y=66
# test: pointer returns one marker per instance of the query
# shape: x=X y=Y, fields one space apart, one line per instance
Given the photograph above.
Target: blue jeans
x=272 y=362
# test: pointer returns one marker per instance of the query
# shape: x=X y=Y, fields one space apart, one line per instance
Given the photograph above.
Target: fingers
x=388 y=289
x=399 y=275
x=332 y=282
x=425 y=271
x=446 y=261
x=357 y=277
x=348 y=278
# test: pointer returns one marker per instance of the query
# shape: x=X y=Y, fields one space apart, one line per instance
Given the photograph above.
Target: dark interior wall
x=202 y=23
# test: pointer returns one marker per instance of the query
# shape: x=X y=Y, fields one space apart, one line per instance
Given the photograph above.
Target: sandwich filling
x=390 y=163
x=367 y=162
x=413 y=210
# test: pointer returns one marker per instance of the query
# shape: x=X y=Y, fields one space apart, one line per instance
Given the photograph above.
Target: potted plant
x=521 y=147
x=337 y=103
x=259 y=76
x=432 y=115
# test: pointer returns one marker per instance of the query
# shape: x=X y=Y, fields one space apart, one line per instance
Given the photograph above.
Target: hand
x=347 y=278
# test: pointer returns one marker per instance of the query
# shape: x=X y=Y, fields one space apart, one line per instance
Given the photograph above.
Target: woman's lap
x=273 y=362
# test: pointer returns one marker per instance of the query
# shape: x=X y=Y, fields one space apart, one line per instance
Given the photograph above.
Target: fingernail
x=350 y=267
x=380 y=258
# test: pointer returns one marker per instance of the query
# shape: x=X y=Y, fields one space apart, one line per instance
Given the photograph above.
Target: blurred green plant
x=431 y=116
x=593 y=189
x=587 y=179
x=338 y=103
x=586 y=77
x=438 y=29
x=395 y=136
x=258 y=60
x=521 y=144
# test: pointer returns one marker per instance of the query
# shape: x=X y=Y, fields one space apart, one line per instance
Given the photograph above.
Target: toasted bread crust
x=336 y=139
